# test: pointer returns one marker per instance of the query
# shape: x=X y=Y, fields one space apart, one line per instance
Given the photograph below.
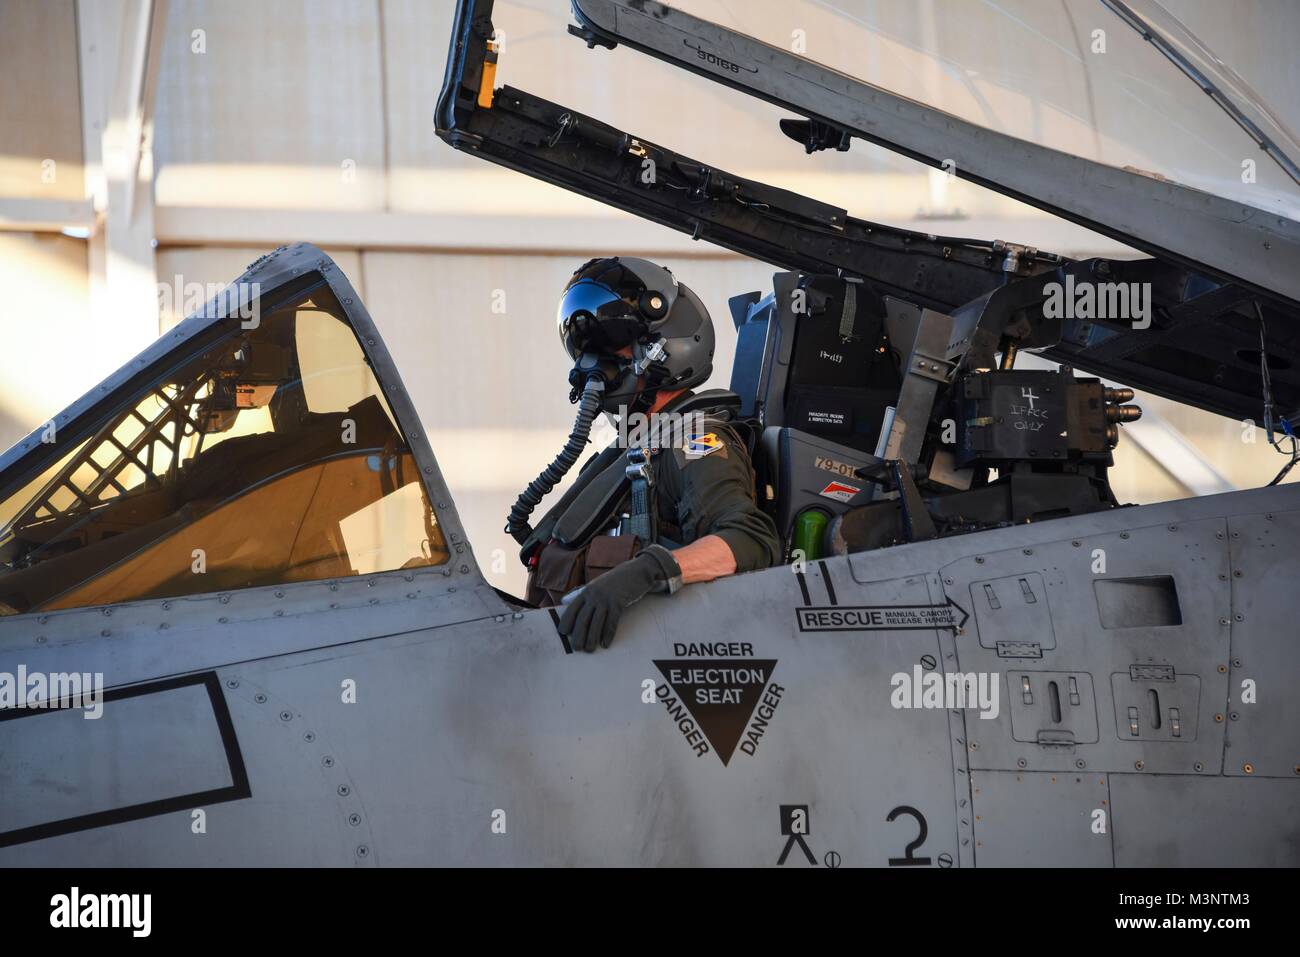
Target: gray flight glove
x=592 y=612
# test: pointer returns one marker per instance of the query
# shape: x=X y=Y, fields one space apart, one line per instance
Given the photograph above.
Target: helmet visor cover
x=593 y=318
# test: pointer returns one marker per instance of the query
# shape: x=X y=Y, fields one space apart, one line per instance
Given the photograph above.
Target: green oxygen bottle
x=809 y=532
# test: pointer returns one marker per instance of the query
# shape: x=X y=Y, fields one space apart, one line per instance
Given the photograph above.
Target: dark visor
x=592 y=318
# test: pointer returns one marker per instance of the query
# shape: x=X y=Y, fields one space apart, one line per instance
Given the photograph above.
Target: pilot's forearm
x=705 y=559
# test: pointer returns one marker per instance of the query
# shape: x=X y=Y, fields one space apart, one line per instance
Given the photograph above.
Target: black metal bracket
x=816 y=135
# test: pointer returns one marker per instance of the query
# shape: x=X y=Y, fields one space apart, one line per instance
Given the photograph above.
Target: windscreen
x=269 y=457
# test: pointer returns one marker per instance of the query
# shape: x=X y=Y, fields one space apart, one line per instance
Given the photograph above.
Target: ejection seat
x=816 y=368
x=871 y=435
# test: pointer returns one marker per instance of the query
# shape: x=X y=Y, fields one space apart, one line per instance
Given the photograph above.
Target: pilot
x=672 y=500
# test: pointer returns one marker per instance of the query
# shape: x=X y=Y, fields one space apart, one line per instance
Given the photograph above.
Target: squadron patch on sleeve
x=699 y=445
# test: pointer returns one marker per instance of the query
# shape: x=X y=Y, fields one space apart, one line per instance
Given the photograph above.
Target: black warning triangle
x=719 y=693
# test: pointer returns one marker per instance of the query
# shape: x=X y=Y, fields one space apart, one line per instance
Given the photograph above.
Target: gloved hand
x=592 y=612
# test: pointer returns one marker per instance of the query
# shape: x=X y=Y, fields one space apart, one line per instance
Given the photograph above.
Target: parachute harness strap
x=643 y=517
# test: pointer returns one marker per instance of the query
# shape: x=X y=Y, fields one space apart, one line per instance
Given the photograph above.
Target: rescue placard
x=880 y=617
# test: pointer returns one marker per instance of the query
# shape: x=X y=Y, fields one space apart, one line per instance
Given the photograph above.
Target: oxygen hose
x=588 y=408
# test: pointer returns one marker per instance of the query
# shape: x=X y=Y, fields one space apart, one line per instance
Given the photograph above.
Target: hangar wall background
x=265 y=121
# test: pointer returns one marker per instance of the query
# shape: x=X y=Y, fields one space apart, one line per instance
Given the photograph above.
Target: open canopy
x=1144 y=142
x=1125 y=142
